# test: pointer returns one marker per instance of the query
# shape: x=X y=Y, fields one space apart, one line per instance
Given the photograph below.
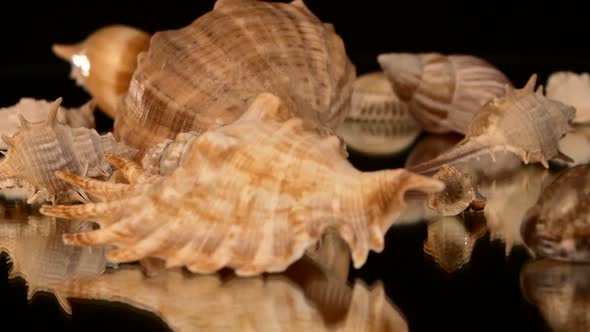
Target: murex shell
x=206 y=74
x=39 y=149
x=443 y=91
x=37 y=110
x=252 y=196
x=558 y=225
x=378 y=122
x=522 y=122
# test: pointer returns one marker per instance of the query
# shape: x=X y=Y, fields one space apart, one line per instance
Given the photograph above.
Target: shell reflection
x=560 y=291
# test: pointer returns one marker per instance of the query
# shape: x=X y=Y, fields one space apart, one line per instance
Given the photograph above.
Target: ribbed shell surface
x=206 y=74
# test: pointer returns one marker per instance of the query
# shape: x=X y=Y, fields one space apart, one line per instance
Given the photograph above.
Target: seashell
x=508 y=197
x=301 y=299
x=430 y=147
x=443 y=91
x=37 y=110
x=557 y=226
x=571 y=89
x=522 y=122
x=206 y=74
x=576 y=145
x=165 y=157
x=39 y=256
x=259 y=192
x=560 y=293
x=104 y=62
x=39 y=149
x=332 y=254
x=378 y=122
x=458 y=195
x=450 y=241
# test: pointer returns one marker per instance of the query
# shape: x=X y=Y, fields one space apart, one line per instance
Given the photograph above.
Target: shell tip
x=530 y=85
x=64 y=51
x=52 y=116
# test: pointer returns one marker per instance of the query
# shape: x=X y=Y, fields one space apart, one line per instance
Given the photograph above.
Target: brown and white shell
x=37 y=110
x=558 y=225
x=522 y=122
x=460 y=193
x=443 y=91
x=301 y=299
x=252 y=196
x=104 y=62
x=378 y=122
x=39 y=149
x=206 y=74
x=572 y=89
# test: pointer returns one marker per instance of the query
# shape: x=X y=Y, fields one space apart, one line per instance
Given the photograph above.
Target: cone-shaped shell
x=378 y=122
x=522 y=122
x=443 y=92
x=37 y=110
x=253 y=196
x=39 y=149
x=104 y=62
x=206 y=74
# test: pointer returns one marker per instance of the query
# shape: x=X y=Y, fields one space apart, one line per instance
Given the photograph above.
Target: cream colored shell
x=572 y=89
x=252 y=196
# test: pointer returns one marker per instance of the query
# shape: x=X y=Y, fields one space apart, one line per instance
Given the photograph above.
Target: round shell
x=443 y=92
x=378 y=122
x=206 y=74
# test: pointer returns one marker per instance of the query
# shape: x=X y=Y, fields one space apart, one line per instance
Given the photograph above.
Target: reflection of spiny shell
x=443 y=92
x=558 y=225
x=571 y=89
x=378 y=123
x=253 y=196
x=37 y=110
x=294 y=301
x=522 y=122
x=39 y=149
x=38 y=254
x=205 y=74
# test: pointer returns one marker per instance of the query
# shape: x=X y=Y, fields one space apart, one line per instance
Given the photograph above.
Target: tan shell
x=443 y=91
x=451 y=240
x=301 y=299
x=39 y=149
x=206 y=74
x=560 y=292
x=165 y=157
x=558 y=225
x=378 y=122
x=37 y=110
x=252 y=196
x=459 y=194
x=576 y=145
x=39 y=256
x=522 y=122
x=430 y=147
x=572 y=89
x=104 y=62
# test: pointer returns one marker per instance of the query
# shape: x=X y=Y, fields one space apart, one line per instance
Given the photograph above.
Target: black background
x=519 y=40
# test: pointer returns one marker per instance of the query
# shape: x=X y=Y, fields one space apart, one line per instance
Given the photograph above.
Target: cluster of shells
x=229 y=146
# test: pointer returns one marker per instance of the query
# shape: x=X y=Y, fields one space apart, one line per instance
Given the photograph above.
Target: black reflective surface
x=492 y=292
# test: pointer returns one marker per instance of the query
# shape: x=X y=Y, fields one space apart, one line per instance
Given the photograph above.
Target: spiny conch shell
x=37 y=110
x=298 y=300
x=252 y=196
x=459 y=194
x=205 y=75
x=558 y=225
x=451 y=240
x=40 y=257
x=443 y=91
x=39 y=149
x=165 y=157
x=561 y=293
x=378 y=122
x=508 y=198
x=104 y=62
x=522 y=122
x=571 y=89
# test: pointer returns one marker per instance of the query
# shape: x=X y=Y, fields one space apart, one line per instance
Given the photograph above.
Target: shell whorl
x=206 y=74
x=104 y=62
x=252 y=196
x=38 y=149
x=443 y=91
